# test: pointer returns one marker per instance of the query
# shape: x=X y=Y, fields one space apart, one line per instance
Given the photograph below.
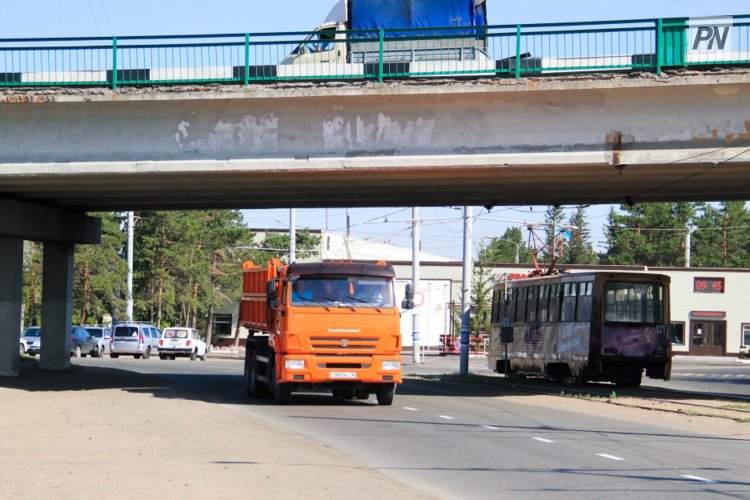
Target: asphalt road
x=458 y=441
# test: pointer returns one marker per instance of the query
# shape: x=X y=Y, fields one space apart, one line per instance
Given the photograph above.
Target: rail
x=507 y=51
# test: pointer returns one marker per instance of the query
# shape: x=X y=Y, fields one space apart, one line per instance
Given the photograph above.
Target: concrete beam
x=57 y=306
x=577 y=139
x=42 y=223
x=11 y=285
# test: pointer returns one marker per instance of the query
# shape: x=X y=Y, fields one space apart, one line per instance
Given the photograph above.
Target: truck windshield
x=320 y=41
x=633 y=302
x=342 y=291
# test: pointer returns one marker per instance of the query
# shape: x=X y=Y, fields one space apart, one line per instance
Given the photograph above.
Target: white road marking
x=445 y=417
x=727 y=375
x=715 y=375
x=699 y=479
x=410 y=408
x=700 y=374
x=611 y=457
x=491 y=427
x=543 y=440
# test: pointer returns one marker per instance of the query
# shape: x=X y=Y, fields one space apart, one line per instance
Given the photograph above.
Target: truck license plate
x=342 y=374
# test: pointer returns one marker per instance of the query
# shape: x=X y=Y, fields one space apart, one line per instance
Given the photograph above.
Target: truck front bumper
x=361 y=369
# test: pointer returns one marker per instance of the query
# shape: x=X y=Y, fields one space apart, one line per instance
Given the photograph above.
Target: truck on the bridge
x=350 y=38
x=330 y=325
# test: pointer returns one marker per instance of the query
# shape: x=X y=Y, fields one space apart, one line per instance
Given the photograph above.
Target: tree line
x=186 y=265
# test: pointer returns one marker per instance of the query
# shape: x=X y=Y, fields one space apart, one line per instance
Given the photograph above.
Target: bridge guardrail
x=510 y=51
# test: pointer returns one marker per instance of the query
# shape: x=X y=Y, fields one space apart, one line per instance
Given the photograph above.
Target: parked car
x=31 y=341
x=181 y=341
x=103 y=335
x=82 y=343
x=134 y=339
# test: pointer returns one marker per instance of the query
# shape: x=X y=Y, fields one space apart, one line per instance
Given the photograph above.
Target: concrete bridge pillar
x=57 y=306
x=11 y=280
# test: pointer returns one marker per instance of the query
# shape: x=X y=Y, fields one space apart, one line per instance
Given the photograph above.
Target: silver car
x=31 y=341
x=134 y=339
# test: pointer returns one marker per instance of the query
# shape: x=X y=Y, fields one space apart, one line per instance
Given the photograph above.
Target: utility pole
x=415 y=244
x=688 y=236
x=466 y=292
x=131 y=234
x=292 y=235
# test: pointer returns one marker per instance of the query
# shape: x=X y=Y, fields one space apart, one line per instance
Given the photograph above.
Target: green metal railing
x=509 y=51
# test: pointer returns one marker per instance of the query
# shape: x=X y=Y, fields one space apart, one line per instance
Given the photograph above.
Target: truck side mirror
x=271 y=296
x=408 y=302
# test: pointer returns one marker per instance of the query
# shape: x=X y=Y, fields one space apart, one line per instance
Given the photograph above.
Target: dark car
x=82 y=343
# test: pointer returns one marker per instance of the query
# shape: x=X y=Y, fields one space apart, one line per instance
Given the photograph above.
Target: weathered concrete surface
x=40 y=223
x=57 y=306
x=607 y=139
x=11 y=278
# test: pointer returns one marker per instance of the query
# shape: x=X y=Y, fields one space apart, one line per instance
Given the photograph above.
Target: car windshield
x=33 y=331
x=95 y=332
x=342 y=291
x=126 y=331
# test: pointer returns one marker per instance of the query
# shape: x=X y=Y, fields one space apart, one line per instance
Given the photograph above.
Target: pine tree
x=579 y=249
x=554 y=218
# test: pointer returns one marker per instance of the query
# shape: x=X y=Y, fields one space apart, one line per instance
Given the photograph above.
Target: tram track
x=689 y=403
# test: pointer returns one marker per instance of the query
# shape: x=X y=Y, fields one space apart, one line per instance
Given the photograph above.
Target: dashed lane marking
x=492 y=428
x=409 y=408
x=699 y=479
x=446 y=417
x=543 y=440
x=611 y=457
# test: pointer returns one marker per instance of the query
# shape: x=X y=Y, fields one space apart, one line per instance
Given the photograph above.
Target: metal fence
x=511 y=51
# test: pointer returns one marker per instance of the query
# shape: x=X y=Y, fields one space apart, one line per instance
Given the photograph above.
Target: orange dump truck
x=330 y=325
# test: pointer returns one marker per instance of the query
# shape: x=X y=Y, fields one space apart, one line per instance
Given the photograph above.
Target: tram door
x=708 y=338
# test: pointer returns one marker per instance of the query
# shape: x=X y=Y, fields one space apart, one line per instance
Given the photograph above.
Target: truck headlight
x=391 y=365
x=294 y=364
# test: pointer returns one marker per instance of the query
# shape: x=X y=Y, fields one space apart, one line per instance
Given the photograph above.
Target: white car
x=181 y=341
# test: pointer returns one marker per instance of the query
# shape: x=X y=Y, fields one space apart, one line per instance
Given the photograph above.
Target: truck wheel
x=248 y=380
x=282 y=393
x=385 y=394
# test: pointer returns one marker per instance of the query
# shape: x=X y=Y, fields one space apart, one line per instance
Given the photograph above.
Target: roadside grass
x=740 y=406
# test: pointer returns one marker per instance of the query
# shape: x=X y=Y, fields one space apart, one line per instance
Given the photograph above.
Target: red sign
x=707 y=314
x=708 y=285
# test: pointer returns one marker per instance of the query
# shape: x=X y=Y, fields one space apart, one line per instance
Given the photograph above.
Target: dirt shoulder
x=127 y=435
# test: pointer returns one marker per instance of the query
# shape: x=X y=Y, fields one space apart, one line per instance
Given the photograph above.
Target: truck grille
x=338 y=343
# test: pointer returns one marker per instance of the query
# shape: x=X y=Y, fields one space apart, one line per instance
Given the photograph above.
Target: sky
x=442 y=227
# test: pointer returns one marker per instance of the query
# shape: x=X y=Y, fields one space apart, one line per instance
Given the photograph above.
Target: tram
x=597 y=326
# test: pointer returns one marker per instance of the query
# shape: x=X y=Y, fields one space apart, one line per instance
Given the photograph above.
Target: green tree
x=32 y=283
x=100 y=273
x=554 y=218
x=648 y=234
x=579 y=250
x=306 y=244
x=481 y=298
x=721 y=236
x=506 y=248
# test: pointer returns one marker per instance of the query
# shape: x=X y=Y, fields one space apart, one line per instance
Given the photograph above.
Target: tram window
x=583 y=310
x=553 y=315
x=627 y=302
x=568 y=302
x=543 y=306
x=496 y=303
x=533 y=294
x=521 y=304
x=678 y=333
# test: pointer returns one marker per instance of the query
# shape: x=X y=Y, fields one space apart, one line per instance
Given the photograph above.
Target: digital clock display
x=708 y=285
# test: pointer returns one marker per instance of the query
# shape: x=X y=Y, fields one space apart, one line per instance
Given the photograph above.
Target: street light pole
x=466 y=292
x=131 y=234
x=415 y=240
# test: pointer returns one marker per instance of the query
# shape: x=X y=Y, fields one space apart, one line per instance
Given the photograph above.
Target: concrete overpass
x=572 y=139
